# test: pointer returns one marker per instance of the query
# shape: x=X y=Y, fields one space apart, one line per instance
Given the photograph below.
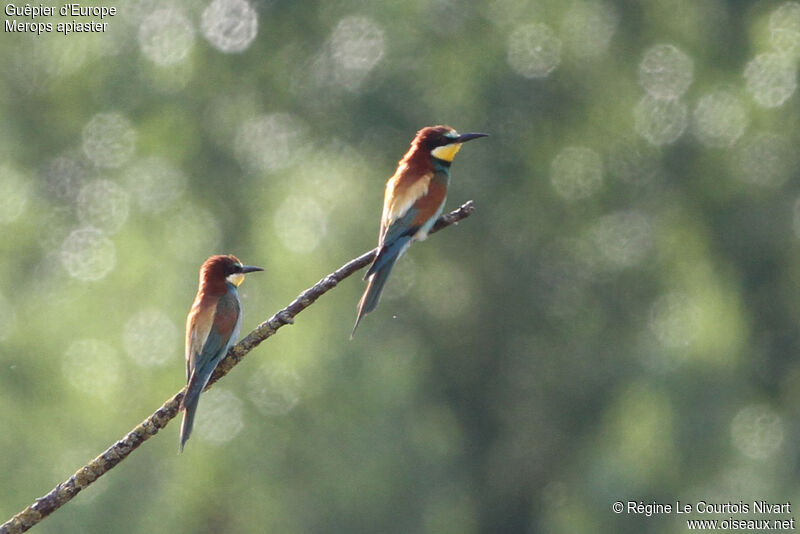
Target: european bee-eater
x=211 y=328
x=412 y=202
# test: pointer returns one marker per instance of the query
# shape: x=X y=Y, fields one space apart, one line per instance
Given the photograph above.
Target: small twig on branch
x=87 y=474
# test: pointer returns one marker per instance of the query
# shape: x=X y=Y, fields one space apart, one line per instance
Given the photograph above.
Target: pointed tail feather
x=372 y=295
x=188 y=422
x=191 y=399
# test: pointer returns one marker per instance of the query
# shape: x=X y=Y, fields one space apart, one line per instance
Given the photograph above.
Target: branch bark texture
x=86 y=475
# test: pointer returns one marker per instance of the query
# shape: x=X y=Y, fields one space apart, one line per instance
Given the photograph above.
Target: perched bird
x=211 y=328
x=413 y=200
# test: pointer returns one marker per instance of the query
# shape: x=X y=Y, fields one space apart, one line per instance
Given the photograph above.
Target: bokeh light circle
x=659 y=121
x=757 y=431
x=665 y=71
x=270 y=142
x=230 y=25
x=155 y=184
x=220 y=417
x=623 y=238
x=300 y=223
x=104 y=205
x=673 y=320
x=534 y=50
x=151 y=338
x=275 y=388
x=357 y=44
x=771 y=79
x=166 y=36
x=63 y=176
x=576 y=172
x=88 y=255
x=109 y=140
x=719 y=119
x=784 y=27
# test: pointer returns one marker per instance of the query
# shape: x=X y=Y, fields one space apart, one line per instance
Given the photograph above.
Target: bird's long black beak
x=250 y=269
x=463 y=138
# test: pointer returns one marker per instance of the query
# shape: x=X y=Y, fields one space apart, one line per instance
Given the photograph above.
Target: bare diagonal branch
x=86 y=475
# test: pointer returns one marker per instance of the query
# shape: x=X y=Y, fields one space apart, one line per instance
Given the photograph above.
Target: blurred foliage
x=617 y=321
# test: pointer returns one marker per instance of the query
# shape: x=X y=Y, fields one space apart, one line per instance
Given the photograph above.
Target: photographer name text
x=702 y=507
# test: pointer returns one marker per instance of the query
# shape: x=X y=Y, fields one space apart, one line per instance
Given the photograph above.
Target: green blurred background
x=617 y=320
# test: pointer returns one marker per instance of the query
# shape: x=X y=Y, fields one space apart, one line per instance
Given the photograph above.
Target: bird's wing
x=410 y=207
x=198 y=326
x=403 y=190
x=419 y=213
x=216 y=327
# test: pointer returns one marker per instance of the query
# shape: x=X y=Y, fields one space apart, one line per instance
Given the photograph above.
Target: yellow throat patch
x=446 y=152
x=236 y=279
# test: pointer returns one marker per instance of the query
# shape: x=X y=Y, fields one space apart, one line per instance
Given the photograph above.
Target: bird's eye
x=449 y=137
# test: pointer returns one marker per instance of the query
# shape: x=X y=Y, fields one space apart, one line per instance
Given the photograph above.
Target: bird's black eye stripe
x=449 y=138
x=442 y=141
